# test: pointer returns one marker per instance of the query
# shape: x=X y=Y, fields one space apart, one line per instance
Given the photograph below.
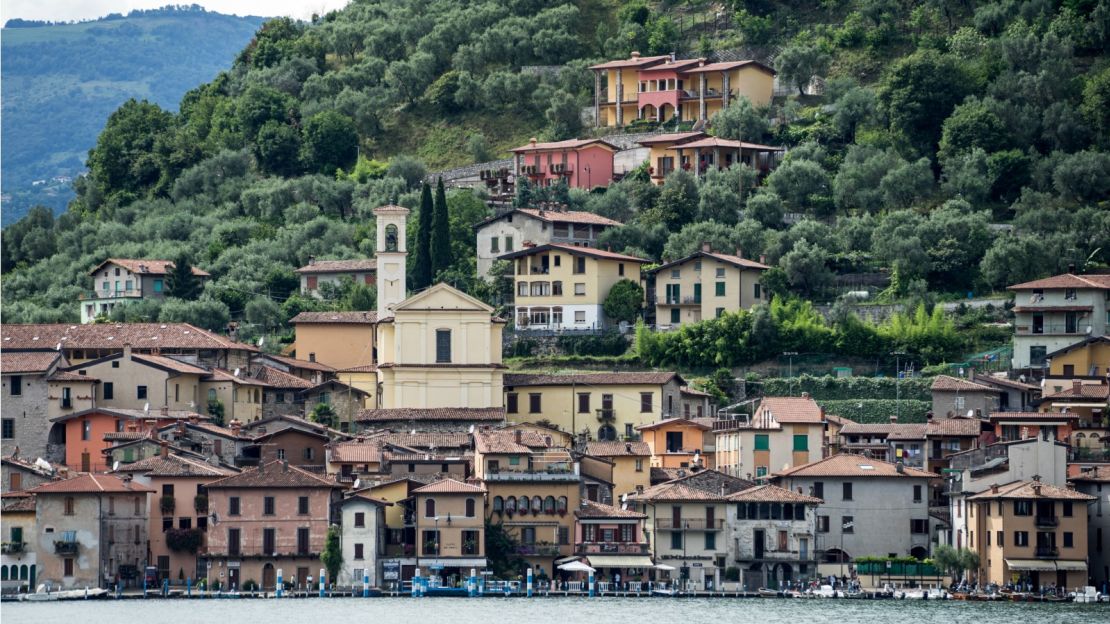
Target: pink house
x=583 y=163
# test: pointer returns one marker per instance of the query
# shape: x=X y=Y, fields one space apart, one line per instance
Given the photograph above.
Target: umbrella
x=576 y=566
x=665 y=567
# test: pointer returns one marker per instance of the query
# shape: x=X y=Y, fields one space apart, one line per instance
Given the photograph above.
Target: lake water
x=542 y=610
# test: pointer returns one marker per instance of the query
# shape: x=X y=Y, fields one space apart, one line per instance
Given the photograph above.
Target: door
x=86 y=463
x=269 y=577
x=803 y=548
x=759 y=539
x=232 y=578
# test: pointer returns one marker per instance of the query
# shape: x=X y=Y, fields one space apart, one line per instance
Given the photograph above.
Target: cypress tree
x=441 y=233
x=181 y=283
x=422 y=266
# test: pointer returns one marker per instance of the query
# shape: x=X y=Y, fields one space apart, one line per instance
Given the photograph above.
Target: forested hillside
x=61 y=81
x=957 y=146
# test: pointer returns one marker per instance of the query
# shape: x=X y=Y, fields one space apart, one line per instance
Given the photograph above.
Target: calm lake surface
x=541 y=610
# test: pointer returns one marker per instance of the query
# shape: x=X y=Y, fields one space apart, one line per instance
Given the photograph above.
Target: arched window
x=391 y=237
x=430 y=508
x=3 y=573
x=606 y=432
x=510 y=505
x=23 y=570
x=522 y=504
x=470 y=508
x=537 y=504
x=498 y=504
x=549 y=505
x=561 y=504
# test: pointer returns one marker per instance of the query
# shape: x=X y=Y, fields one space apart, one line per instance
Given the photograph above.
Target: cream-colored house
x=119 y=281
x=784 y=432
x=631 y=464
x=560 y=286
x=337 y=339
x=1056 y=312
x=133 y=381
x=317 y=273
x=508 y=231
x=705 y=285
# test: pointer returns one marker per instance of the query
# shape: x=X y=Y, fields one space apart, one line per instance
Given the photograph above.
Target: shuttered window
x=443 y=346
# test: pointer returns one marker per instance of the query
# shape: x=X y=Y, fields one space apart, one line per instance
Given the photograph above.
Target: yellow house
x=1090 y=358
x=240 y=395
x=604 y=406
x=660 y=155
x=631 y=464
x=563 y=287
x=662 y=88
x=784 y=432
x=449 y=518
x=1030 y=532
x=338 y=339
x=677 y=443
x=705 y=285
x=136 y=381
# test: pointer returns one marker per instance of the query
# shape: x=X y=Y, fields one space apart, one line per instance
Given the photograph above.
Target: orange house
x=676 y=443
x=82 y=433
x=1010 y=426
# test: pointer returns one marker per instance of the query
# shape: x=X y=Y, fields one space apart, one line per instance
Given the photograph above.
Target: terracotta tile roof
x=110 y=336
x=391 y=209
x=908 y=431
x=839 y=420
x=1066 y=280
x=658 y=474
x=954 y=427
x=676 y=491
x=848 y=465
x=671 y=137
x=677 y=65
x=666 y=422
x=574 y=251
x=91 y=484
x=1099 y=474
x=215 y=429
x=449 y=486
x=988 y=380
x=591 y=509
x=729 y=65
x=362 y=496
x=615 y=448
x=1084 y=391
x=726 y=258
x=483 y=414
x=500 y=442
x=169 y=363
x=360 y=452
x=787 y=410
x=772 y=494
x=426 y=440
x=569 y=144
x=136 y=414
x=14 y=362
x=881 y=429
x=561 y=216
x=946 y=383
x=356 y=265
x=636 y=61
x=22 y=464
x=338 y=318
x=146 y=267
x=281 y=379
x=590 y=379
x=365 y=368
x=1054 y=416
x=18 y=502
x=63 y=375
x=1034 y=490
x=295 y=363
x=726 y=143
x=219 y=374
x=275 y=474
x=175 y=466
x=116 y=436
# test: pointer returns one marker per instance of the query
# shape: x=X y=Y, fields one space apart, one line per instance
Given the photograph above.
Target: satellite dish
x=115 y=465
x=59 y=346
x=261 y=340
x=1021 y=378
x=1089 y=330
x=146 y=407
x=471 y=428
x=236 y=371
x=413 y=432
x=970 y=413
x=357 y=484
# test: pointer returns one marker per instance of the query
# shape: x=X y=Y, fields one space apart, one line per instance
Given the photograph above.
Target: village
x=392 y=450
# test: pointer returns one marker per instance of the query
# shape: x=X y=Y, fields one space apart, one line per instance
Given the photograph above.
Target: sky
x=66 y=10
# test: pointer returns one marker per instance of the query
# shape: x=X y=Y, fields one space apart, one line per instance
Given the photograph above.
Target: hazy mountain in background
x=61 y=81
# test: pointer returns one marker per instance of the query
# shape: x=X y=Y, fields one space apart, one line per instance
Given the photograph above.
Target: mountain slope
x=62 y=81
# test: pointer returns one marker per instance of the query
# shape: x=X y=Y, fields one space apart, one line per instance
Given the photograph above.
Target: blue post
x=322 y=573
x=280 y=589
x=144 y=584
x=189 y=587
x=591 y=583
x=472 y=583
x=529 y=581
x=416 y=583
x=424 y=586
x=165 y=587
x=365 y=584
x=119 y=589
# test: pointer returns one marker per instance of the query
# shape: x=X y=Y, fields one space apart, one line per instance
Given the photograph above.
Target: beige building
x=449 y=522
x=705 y=285
x=509 y=231
x=1030 y=532
x=604 y=406
x=118 y=281
x=91 y=531
x=317 y=273
x=131 y=380
x=559 y=286
x=631 y=464
x=337 y=339
x=1056 y=312
x=18 y=558
x=784 y=432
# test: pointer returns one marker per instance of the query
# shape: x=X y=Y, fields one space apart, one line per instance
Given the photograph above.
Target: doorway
x=269 y=578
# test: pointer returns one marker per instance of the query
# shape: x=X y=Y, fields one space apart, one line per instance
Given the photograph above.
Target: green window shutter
x=762 y=442
x=720 y=289
x=697 y=293
x=675 y=315
x=128 y=455
x=801 y=443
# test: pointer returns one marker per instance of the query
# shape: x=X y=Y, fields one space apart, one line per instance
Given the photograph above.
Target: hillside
x=62 y=81
x=952 y=147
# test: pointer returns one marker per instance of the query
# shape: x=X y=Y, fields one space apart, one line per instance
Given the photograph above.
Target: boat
x=663 y=591
x=1089 y=595
x=825 y=591
x=43 y=594
x=769 y=593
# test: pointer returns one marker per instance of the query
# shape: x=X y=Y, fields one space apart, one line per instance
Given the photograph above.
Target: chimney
x=194 y=418
x=899 y=467
x=1071 y=268
x=739 y=252
x=528 y=244
x=1037 y=489
x=994 y=488
x=234 y=425
x=164 y=449
x=127 y=350
x=628 y=447
x=722 y=489
x=805 y=395
x=893 y=419
x=311 y=260
x=706 y=247
x=635 y=54
x=762 y=259
x=672 y=57
x=532 y=142
x=126 y=478
x=971 y=373
x=517 y=436
x=1076 y=386
x=285 y=465
x=929 y=416
x=180 y=429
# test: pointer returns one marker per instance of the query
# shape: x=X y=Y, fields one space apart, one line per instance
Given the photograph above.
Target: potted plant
x=167 y=504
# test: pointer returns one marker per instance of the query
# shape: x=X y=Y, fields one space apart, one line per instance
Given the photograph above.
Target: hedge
x=878 y=410
x=848 y=388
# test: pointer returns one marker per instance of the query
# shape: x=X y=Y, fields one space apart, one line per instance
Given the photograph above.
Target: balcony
x=531 y=170
x=12 y=548
x=110 y=294
x=1051 y=329
x=612 y=548
x=65 y=548
x=562 y=169
x=167 y=504
x=200 y=504
x=551 y=474
x=682 y=301
x=1047 y=521
x=606 y=415
x=537 y=550
x=1047 y=552
x=399 y=550
x=689 y=524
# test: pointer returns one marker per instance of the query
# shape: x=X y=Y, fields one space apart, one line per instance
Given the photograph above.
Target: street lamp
x=790 y=374
x=898 y=383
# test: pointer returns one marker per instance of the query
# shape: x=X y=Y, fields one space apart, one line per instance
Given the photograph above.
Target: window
x=431 y=542
x=1023 y=508
x=579 y=316
x=710 y=540
x=308 y=453
x=847 y=491
x=676 y=273
x=676 y=540
x=69 y=506
x=758 y=294
x=110 y=390
x=430 y=508
x=646 y=400
x=534 y=403
x=583 y=402
x=639 y=465
x=676 y=315
x=762 y=442
x=620 y=269
x=7 y=430
x=493 y=246
x=1067 y=509
x=269 y=541
x=917 y=496
x=302 y=505
x=302 y=540
x=819 y=489
x=801 y=442
x=579 y=265
x=68 y=567
x=848 y=524
x=508 y=243
x=140 y=392
x=358 y=547
x=511 y=402
x=281 y=454
x=16 y=388
x=998 y=538
x=1069 y=294
x=471 y=505
x=557 y=259
x=564 y=535
x=1069 y=539
x=470 y=544
x=720 y=289
x=1037 y=355
x=919 y=526
x=719 y=312
x=822 y=524
x=579 y=291
x=1021 y=538
x=720 y=272
x=233 y=542
x=443 y=346
x=268 y=505
x=233 y=506
x=557 y=289
x=158 y=285
x=86 y=429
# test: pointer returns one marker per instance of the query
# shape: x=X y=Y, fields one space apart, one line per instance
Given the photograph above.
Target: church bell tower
x=391 y=256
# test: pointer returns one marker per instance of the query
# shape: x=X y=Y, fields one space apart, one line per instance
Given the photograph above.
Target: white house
x=319 y=272
x=363 y=522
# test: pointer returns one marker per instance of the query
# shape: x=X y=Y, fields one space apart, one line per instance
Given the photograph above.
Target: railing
x=562 y=168
x=200 y=504
x=690 y=524
x=12 y=548
x=167 y=504
x=1047 y=521
x=623 y=548
x=897 y=568
x=109 y=294
x=1046 y=551
x=530 y=170
x=551 y=474
x=64 y=548
x=604 y=414
x=399 y=550
x=66 y=402
x=1050 y=328
x=539 y=550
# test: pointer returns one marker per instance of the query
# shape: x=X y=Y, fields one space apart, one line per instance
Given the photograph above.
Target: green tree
x=802 y=184
x=215 y=409
x=330 y=142
x=264 y=313
x=423 y=266
x=441 y=232
x=624 y=301
x=125 y=159
x=920 y=92
x=1096 y=104
x=740 y=121
x=478 y=148
x=800 y=62
x=766 y=208
x=807 y=270
x=332 y=555
x=323 y=414
x=181 y=283
x=408 y=168
x=955 y=561
x=563 y=115
x=502 y=551
x=278 y=148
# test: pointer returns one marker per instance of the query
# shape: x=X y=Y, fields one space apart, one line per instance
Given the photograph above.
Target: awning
x=1031 y=565
x=620 y=561
x=1073 y=404
x=1071 y=566
x=461 y=562
x=563 y=560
